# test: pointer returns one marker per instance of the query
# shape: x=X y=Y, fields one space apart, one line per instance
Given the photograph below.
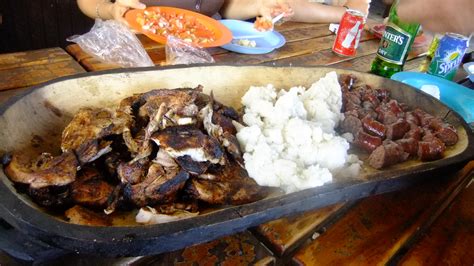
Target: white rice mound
x=289 y=140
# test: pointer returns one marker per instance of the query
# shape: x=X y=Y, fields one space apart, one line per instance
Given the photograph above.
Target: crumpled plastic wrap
x=181 y=52
x=112 y=42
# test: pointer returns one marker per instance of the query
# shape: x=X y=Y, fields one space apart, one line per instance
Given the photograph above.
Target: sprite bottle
x=394 y=45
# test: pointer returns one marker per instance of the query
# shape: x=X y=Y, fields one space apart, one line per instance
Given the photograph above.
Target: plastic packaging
x=112 y=42
x=181 y=52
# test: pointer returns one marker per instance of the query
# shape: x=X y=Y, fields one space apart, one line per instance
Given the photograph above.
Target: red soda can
x=348 y=34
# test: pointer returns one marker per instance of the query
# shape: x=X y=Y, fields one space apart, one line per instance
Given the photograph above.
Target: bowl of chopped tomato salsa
x=159 y=22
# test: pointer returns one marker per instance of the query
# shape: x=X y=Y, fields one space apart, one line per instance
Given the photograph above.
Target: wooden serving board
x=42 y=112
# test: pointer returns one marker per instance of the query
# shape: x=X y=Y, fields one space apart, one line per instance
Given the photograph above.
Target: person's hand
x=119 y=8
x=359 y=5
x=269 y=9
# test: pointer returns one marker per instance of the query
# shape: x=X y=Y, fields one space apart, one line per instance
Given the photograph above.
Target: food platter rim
x=42 y=223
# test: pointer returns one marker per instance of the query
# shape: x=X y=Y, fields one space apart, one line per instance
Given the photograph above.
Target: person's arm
x=439 y=15
x=105 y=9
x=303 y=10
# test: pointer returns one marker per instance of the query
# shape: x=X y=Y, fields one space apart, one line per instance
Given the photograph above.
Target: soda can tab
x=448 y=56
x=348 y=34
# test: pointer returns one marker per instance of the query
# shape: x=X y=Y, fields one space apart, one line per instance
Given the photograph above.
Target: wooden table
x=429 y=223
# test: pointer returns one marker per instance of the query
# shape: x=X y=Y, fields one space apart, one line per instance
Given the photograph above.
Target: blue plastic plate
x=457 y=97
x=266 y=42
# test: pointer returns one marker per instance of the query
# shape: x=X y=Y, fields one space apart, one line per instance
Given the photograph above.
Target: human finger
x=131 y=4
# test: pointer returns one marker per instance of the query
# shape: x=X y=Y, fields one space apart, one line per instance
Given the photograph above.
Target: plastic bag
x=181 y=52
x=112 y=42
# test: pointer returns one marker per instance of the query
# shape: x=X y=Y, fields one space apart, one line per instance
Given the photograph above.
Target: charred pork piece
x=52 y=196
x=351 y=124
x=224 y=192
x=160 y=186
x=366 y=141
x=164 y=159
x=180 y=101
x=132 y=172
x=409 y=145
x=221 y=128
x=92 y=150
x=230 y=185
x=83 y=216
x=187 y=140
x=90 y=190
x=387 y=154
x=430 y=148
x=140 y=147
x=191 y=166
x=88 y=124
x=45 y=171
x=373 y=127
x=398 y=129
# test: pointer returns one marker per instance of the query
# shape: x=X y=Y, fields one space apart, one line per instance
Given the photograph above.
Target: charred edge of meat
x=53 y=197
x=191 y=166
x=92 y=193
x=134 y=172
x=45 y=171
x=84 y=216
x=366 y=141
x=154 y=192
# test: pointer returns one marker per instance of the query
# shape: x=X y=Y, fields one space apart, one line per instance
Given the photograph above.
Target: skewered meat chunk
x=90 y=190
x=398 y=129
x=45 y=171
x=387 y=154
x=159 y=186
x=83 y=216
x=366 y=141
x=448 y=135
x=188 y=140
x=409 y=145
x=373 y=127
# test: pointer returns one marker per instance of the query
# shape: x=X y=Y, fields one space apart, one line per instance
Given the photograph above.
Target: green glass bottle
x=394 y=45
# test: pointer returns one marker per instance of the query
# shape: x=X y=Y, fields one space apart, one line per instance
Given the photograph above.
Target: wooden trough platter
x=43 y=112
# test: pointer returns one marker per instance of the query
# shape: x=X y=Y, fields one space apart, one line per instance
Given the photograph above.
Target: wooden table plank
x=327 y=57
x=31 y=58
x=450 y=241
x=36 y=74
x=376 y=228
x=290 y=50
x=285 y=234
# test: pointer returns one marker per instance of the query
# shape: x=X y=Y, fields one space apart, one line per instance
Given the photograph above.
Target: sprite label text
x=394 y=45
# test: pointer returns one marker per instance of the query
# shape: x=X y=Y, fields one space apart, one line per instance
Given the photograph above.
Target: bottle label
x=394 y=44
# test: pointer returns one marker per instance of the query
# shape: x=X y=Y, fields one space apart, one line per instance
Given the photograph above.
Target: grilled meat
x=90 y=190
x=191 y=166
x=132 y=172
x=51 y=196
x=83 y=216
x=179 y=141
x=372 y=117
x=159 y=186
x=230 y=185
x=45 y=171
